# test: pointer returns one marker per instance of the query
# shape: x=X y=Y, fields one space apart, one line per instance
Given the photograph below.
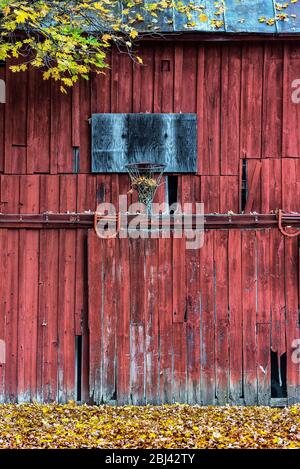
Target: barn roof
x=239 y=16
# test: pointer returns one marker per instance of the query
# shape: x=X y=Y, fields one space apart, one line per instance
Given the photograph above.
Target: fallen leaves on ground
x=168 y=426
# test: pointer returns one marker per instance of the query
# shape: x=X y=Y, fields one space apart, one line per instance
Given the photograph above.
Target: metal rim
x=146 y=166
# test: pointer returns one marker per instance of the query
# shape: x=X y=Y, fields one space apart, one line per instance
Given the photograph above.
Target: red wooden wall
x=194 y=326
x=242 y=94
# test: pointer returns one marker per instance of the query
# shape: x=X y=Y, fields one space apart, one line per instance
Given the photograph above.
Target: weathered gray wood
x=279 y=402
x=118 y=139
x=109 y=143
x=185 y=136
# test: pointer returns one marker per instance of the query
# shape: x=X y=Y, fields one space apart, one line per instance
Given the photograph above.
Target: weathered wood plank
x=291 y=184
x=143 y=82
x=249 y=302
x=38 y=126
x=200 y=108
x=235 y=315
x=229 y=198
x=28 y=292
x=137 y=320
x=185 y=79
x=179 y=319
x=15 y=121
x=207 y=285
x=222 y=317
x=271 y=185
x=231 y=109
x=84 y=127
x=4 y=339
x=263 y=318
x=76 y=114
x=209 y=152
x=291 y=109
x=165 y=320
x=47 y=364
x=66 y=296
x=178 y=268
x=109 y=323
x=123 y=323
x=2 y=119
x=109 y=142
x=101 y=90
x=121 y=82
x=292 y=317
x=253 y=186
x=251 y=102
x=164 y=79
x=96 y=250
x=151 y=321
x=193 y=314
x=210 y=193
x=86 y=200
x=10 y=204
x=61 y=150
x=277 y=294
x=272 y=102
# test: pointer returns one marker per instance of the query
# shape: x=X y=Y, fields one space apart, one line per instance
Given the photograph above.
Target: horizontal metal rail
x=86 y=220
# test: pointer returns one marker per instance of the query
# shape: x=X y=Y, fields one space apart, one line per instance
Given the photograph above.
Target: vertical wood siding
x=241 y=93
x=200 y=325
x=187 y=326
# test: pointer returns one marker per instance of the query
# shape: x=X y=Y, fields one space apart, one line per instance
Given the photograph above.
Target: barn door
x=137 y=321
x=211 y=326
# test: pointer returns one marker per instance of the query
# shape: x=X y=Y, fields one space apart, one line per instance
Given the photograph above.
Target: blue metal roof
x=238 y=16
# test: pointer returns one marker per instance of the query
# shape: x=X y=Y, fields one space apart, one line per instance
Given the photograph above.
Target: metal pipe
x=86 y=220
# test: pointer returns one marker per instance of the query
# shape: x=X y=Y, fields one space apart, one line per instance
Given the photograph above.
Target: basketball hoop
x=145 y=179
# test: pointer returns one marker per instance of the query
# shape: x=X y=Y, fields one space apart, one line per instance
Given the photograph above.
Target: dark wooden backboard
x=118 y=139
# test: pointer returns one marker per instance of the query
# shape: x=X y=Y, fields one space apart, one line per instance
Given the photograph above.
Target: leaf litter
x=168 y=426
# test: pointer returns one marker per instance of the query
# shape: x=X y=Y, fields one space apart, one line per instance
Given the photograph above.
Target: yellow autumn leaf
x=106 y=37
x=203 y=18
x=21 y=16
x=133 y=33
x=6 y=10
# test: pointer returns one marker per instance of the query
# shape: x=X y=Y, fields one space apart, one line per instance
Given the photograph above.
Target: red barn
x=145 y=320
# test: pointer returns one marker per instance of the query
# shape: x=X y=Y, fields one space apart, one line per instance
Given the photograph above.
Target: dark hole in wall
x=172 y=184
x=78 y=366
x=278 y=375
x=100 y=195
x=76 y=160
x=244 y=188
